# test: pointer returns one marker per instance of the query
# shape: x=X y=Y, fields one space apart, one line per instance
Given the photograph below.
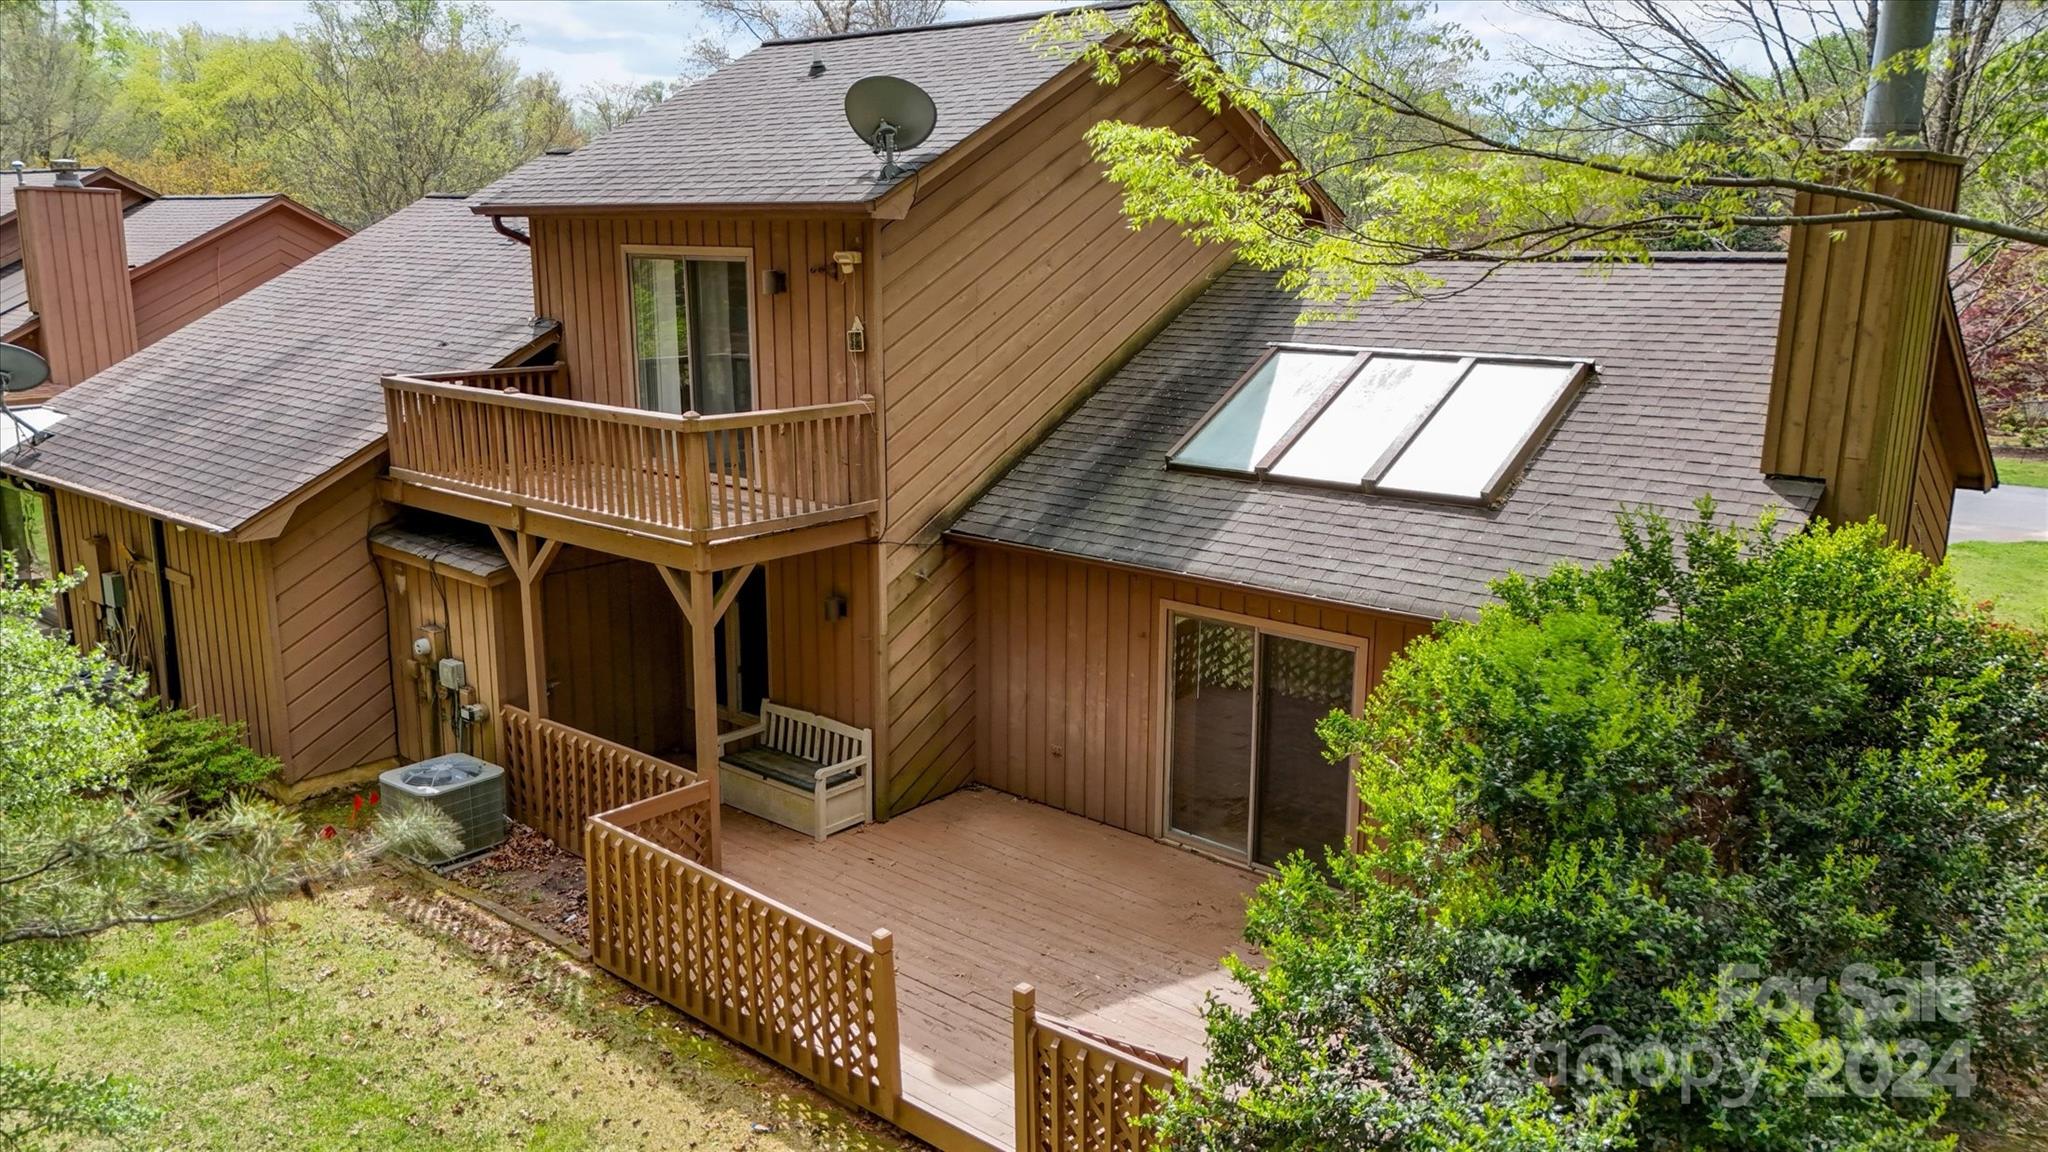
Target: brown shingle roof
x=1682 y=350
x=762 y=130
x=245 y=406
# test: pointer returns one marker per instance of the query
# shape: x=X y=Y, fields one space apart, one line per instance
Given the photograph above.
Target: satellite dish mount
x=890 y=115
x=885 y=143
x=21 y=370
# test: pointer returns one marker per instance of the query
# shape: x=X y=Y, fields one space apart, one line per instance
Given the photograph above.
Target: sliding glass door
x=691 y=346
x=1246 y=773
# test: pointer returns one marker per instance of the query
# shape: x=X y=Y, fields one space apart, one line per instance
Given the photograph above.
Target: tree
x=83 y=852
x=781 y=19
x=603 y=107
x=192 y=112
x=1733 y=842
x=2004 y=298
x=1438 y=160
x=57 y=67
x=388 y=100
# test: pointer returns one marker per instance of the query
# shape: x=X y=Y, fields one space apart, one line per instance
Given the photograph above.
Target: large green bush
x=1736 y=842
x=201 y=760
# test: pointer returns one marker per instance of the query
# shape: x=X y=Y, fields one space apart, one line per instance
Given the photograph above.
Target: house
x=64 y=257
x=711 y=413
x=94 y=265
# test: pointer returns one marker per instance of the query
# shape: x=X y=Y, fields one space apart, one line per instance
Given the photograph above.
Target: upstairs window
x=692 y=346
x=1434 y=424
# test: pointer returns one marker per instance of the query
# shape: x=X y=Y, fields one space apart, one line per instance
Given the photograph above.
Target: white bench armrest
x=843 y=765
x=754 y=729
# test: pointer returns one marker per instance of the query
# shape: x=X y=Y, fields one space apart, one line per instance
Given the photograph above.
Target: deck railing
x=694 y=478
x=557 y=777
x=538 y=380
x=1078 y=1091
x=811 y=998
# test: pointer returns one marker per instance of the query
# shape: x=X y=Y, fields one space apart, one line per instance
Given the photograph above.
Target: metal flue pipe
x=1898 y=92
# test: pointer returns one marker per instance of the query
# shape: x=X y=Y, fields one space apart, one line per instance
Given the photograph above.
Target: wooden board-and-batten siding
x=800 y=356
x=1857 y=339
x=479 y=616
x=332 y=632
x=99 y=537
x=1069 y=665
x=171 y=293
x=1013 y=285
x=286 y=636
x=1934 y=496
x=75 y=270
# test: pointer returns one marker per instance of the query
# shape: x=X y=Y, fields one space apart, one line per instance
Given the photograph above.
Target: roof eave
x=1979 y=442
x=701 y=208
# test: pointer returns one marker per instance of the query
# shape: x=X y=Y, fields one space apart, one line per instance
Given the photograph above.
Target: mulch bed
x=532 y=877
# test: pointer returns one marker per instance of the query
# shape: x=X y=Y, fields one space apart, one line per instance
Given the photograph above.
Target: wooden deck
x=1120 y=934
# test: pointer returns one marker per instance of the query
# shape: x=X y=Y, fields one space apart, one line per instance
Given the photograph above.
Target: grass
x=391 y=1016
x=2024 y=471
x=2014 y=577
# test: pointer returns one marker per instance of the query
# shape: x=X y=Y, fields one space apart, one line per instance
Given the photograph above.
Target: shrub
x=1737 y=841
x=200 y=759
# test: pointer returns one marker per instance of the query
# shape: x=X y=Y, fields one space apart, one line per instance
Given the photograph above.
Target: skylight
x=1435 y=424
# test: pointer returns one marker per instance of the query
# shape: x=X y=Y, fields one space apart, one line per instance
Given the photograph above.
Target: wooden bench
x=806 y=772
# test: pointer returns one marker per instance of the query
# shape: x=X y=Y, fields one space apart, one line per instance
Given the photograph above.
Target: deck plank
x=982 y=890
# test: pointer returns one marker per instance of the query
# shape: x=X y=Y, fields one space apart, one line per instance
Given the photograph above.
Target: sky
x=602 y=41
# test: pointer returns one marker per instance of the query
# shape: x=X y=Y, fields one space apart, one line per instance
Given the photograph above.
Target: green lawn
x=2014 y=577
x=2028 y=473
x=389 y=1016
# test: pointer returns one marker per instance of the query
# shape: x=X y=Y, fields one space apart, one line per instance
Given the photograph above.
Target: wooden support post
x=1024 y=1010
x=704 y=690
x=530 y=556
x=888 y=1036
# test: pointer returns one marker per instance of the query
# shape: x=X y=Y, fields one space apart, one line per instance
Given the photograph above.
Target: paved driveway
x=2007 y=512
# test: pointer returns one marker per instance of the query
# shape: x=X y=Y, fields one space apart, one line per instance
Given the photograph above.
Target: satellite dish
x=891 y=116
x=21 y=369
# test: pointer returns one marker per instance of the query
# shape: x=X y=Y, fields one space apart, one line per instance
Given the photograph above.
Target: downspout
x=506 y=230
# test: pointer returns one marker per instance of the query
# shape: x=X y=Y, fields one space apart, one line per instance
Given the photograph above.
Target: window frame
x=1581 y=371
x=47 y=505
x=1361 y=665
x=629 y=252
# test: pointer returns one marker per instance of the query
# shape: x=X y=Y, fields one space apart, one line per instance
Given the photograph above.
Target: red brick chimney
x=1862 y=306
x=74 y=256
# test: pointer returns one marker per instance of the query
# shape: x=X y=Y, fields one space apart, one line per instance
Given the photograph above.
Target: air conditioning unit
x=469 y=791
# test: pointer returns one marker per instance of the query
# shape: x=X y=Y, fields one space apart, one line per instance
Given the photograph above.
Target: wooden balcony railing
x=540 y=380
x=699 y=479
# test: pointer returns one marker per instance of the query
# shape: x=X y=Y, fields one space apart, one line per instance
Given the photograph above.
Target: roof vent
x=20 y=172
x=817 y=68
x=67 y=173
x=559 y=150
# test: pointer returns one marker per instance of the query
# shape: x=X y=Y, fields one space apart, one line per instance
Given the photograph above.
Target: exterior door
x=692 y=333
x=1246 y=773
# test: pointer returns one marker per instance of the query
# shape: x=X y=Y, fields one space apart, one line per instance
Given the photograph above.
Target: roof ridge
x=947 y=25
x=1673 y=256
x=215 y=196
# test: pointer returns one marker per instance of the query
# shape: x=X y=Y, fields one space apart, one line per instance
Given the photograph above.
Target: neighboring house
x=94 y=265
x=1070 y=509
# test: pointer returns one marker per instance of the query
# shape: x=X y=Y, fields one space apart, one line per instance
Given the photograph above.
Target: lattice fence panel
x=814 y=1000
x=558 y=777
x=1078 y=1091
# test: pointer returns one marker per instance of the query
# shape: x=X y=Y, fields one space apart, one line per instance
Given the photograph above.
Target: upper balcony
x=503 y=446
